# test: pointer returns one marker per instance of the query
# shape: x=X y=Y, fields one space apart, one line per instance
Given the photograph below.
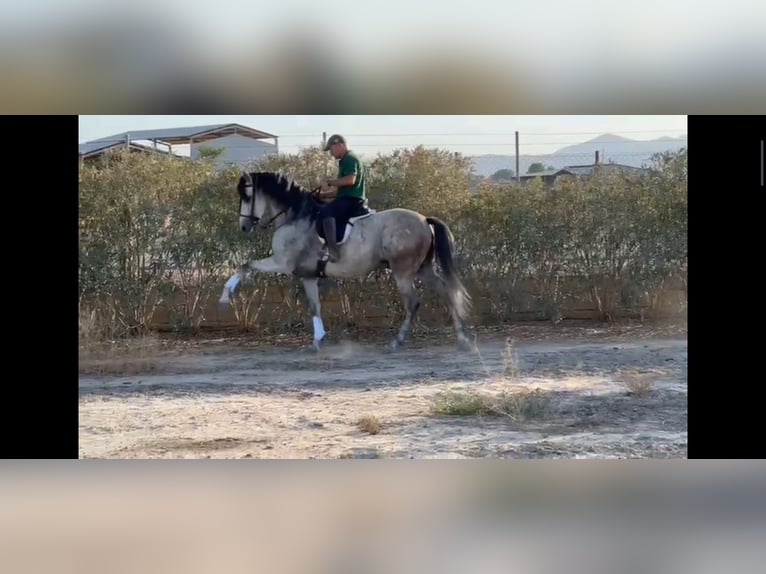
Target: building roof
x=588 y=169
x=93 y=148
x=176 y=136
x=543 y=173
x=578 y=169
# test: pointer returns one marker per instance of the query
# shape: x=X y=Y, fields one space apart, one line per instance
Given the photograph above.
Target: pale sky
x=369 y=134
x=650 y=30
x=569 y=53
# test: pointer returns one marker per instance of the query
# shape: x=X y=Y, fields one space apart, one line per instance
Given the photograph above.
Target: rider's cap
x=334 y=139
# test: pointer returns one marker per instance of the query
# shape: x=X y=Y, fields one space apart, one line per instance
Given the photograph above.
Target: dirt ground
x=244 y=397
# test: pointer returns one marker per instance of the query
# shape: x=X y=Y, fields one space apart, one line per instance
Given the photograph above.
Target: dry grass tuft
x=523 y=405
x=639 y=384
x=369 y=424
x=510 y=362
x=518 y=404
x=460 y=403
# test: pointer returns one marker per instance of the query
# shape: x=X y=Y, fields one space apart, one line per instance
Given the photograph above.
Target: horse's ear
x=247 y=178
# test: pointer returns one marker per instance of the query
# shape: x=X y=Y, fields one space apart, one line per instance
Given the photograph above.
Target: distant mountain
x=610 y=147
x=623 y=150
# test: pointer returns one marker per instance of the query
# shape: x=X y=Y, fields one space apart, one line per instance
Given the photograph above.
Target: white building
x=240 y=143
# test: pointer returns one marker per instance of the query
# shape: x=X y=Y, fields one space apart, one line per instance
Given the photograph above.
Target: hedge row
x=162 y=231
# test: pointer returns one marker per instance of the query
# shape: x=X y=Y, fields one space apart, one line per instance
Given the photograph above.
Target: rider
x=350 y=193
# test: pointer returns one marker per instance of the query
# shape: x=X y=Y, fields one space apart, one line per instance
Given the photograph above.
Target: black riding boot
x=329 y=236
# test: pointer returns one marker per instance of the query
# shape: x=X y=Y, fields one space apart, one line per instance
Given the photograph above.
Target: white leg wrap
x=319 y=331
x=232 y=282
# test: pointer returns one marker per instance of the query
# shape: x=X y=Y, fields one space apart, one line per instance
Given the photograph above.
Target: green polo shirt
x=348 y=164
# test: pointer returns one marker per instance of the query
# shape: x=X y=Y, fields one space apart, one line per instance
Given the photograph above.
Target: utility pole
x=518 y=180
x=327 y=162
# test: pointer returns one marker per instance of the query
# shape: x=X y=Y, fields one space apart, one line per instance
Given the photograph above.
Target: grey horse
x=402 y=240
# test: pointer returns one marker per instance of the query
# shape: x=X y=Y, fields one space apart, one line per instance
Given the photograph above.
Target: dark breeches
x=341 y=208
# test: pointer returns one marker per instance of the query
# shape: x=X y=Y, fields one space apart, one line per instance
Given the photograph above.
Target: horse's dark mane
x=286 y=193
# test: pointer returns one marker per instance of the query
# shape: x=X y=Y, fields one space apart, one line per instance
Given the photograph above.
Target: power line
x=448 y=134
x=488 y=144
x=437 y=134
x=536 y=143
x=486 y=134
x=456 y=144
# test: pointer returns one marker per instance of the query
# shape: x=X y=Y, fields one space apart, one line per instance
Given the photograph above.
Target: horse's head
x=252 y=204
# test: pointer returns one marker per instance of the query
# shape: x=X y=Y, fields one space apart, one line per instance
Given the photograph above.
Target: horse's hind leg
x=411 y=302
x=429 y=278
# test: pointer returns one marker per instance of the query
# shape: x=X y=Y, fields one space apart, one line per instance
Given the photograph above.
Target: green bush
x=162 y=231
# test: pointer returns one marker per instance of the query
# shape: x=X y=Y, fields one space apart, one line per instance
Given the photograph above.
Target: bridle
x=255 y=219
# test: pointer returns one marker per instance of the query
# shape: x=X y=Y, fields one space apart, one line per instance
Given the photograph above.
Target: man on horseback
x=349 y=195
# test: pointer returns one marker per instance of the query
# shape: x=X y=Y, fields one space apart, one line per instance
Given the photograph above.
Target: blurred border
x=479 y=58
x=383 y=516
x=376 y=516
x=715 y=409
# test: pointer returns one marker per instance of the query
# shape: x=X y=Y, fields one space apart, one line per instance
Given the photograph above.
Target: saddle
x=343 y=225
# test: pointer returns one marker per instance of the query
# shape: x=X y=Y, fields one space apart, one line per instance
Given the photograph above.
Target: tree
x=538 y=166
x=210 y=152
x=503 y=175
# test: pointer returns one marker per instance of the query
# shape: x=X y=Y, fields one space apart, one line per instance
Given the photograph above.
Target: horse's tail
x=444 y=248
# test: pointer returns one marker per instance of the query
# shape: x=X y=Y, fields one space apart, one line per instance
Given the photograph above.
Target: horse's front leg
x=311 y=287
x=267 y=265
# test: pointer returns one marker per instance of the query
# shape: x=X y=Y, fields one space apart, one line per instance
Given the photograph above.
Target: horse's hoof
x=466 y=345
x=317 y=345
x=393 y=345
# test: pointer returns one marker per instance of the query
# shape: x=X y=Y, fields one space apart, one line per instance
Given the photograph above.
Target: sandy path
x=229 y=402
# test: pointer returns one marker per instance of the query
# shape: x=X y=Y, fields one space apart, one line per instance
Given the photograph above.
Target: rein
x=314 y=192
x=268 y=224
